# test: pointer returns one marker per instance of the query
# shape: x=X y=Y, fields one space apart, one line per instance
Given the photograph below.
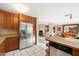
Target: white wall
x=49 y=12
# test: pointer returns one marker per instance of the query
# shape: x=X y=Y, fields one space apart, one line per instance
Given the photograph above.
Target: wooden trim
x=35 y=31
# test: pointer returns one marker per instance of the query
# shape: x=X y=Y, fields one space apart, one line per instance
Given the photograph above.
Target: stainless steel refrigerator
x=26 y=35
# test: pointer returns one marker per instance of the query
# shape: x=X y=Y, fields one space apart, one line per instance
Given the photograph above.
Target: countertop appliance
x=26 y=35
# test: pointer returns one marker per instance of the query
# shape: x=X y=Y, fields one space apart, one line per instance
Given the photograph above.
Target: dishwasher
x=59 y=50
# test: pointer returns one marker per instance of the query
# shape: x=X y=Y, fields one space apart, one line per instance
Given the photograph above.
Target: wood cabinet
x=23 y=18
x=16 y=21
x=75 y=52
x=12 y=43
x=9 y=44
x=2 y=48
x=2 y=18
x=12 y=21
x=9 y=20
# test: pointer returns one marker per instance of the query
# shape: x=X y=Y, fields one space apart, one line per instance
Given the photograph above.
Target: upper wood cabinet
x=12 y=21
x=2 y=18
x=16 y=21
x=25 y=18
x=9 y=20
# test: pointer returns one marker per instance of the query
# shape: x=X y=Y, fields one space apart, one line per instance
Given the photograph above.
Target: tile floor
x=35 y=50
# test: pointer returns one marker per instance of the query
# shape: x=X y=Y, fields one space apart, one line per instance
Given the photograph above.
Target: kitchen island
x=68 y=45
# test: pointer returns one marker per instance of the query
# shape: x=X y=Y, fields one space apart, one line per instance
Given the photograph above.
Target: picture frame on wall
x=71 y=28
x=59 y=28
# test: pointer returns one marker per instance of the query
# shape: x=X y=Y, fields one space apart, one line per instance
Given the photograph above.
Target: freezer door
x=29 y=34
x=23 y=43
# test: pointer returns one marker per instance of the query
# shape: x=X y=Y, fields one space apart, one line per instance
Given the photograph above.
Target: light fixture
x=21 y=8
x=70 y=16
x=70 y=20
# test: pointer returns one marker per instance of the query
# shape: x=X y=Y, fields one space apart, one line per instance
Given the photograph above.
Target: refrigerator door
x=23 y=33
x=29 y=34
x=23 y=26
x=26 y=35
x=23 y=43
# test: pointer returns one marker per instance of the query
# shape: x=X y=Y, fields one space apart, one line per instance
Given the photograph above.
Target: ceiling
x=47 y=12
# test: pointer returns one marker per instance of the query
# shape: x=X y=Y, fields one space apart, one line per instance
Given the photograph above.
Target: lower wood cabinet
x=3 y=48
x=9 y=44
x=12 y=43
x=75 y=52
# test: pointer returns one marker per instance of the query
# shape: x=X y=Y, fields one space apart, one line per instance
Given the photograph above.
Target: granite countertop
x=69 y=41
x=2 y=38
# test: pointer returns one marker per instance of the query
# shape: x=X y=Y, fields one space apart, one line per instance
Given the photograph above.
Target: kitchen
x=53 y=30
x=11 y=26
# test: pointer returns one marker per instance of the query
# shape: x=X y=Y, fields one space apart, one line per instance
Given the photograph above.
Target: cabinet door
x=3 y=48
x=8 y=21
x=23 y=18
x=12 y=21
x=2 y=18
x=12 y=43
x=75 y=52
x=16 y=21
